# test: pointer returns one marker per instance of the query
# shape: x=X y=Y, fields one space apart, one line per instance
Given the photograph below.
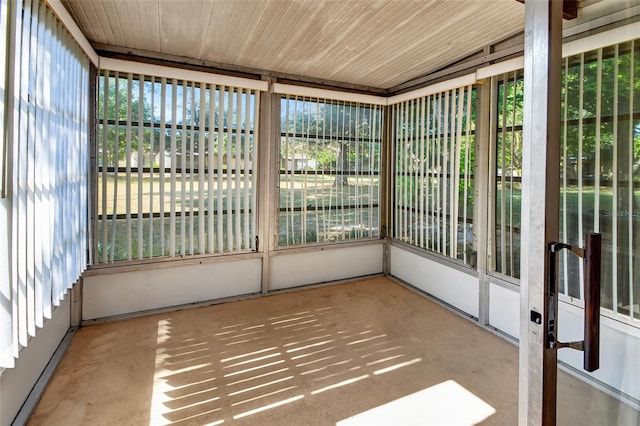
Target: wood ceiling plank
x=99 y=28
x=134 y=26
x=112 y=15
x=306 y=43
x=177 y=30
x=204 y=24
x=376 y=43
x=288 y=24
x=149 y=12
x=213 y=43
x=235 y=33
x=257 y=27
x=83 y=14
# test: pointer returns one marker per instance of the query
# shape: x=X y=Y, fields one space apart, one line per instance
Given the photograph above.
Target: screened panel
x=434 y=140
x=175 y=167
x=507 y=172
x=601 y=170
x=329 y=184
x=44 y=173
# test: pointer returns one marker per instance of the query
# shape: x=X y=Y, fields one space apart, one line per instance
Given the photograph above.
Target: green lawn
x=318 y=193
x=570 y=198
x=296 y=191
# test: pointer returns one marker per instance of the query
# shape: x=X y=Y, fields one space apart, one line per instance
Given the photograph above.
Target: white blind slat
x=173 y=148
x=128 y=136
x=254 y=174
x=20 y=189
x=201 y=174
x=162 y=153
x=152 y=160
x=184 y=142
x=31 y=173
x=228 y=163
x=140 y=165
x=47 y=226
x=210 y=182
x=220 y=95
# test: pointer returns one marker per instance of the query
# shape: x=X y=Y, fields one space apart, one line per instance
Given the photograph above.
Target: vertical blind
x=434 y=139
x=600 y=173
x=329 y=170
x=175 y=167
x=45 y=170
x=506 y=169
x=6 y=316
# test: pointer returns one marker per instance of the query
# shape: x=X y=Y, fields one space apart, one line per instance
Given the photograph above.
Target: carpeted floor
x=359 y=353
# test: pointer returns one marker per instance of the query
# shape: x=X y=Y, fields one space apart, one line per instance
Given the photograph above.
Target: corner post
x=269 y=140
x=482 y=192
x=387 y=171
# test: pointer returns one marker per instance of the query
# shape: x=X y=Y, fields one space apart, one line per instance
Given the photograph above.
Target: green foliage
x=600 y=118
x=151 y=105
x=120 y=108
x=336 y=135
x=509 y=135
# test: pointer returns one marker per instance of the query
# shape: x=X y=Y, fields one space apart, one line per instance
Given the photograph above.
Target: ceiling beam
x=460 y=68
x=145 y=56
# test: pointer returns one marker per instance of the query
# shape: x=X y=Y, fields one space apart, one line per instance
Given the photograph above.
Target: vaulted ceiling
x=368 y=43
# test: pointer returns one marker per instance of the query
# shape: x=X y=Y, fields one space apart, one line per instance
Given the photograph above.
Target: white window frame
x=241 y=108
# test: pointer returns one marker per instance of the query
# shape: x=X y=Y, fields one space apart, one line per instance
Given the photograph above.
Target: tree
x=618 y=158
x=330 y=132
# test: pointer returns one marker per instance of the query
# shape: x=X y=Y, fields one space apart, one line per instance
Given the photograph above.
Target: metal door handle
x=591 y=255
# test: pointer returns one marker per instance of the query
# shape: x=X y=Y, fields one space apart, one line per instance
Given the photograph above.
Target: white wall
x=451 y=285
x=619 y=344
x=288 y=270
x=619 y=349
x=504 y=309
x=16 y=383
x=109 y=294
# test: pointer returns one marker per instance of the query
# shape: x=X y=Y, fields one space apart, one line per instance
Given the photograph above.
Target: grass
x=571 y=197
x=296 y=191
x=318 y=223
x=318 y=193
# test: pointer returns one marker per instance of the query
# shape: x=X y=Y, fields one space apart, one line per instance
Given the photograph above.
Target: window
x=507 y=172
x=434 y=143
x=175 y=168
x=600 y=171
x=329 y=171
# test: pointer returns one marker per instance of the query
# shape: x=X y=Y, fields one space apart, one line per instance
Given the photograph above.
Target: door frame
x=540 y=189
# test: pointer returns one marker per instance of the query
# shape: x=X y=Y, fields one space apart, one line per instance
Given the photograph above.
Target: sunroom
x=351 y=160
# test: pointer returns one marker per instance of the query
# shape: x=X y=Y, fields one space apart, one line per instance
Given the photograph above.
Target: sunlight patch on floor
x=446 y=403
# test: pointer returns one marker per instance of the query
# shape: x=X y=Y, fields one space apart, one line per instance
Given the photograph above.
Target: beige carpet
x=360 y=353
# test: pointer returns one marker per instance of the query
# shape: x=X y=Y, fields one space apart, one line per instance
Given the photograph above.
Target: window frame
x=286 y=174
x=187 y=135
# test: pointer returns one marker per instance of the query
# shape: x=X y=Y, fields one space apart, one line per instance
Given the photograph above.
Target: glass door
x=600 y=192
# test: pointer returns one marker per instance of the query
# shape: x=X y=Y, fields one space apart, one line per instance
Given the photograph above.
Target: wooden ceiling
x=368 y=43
